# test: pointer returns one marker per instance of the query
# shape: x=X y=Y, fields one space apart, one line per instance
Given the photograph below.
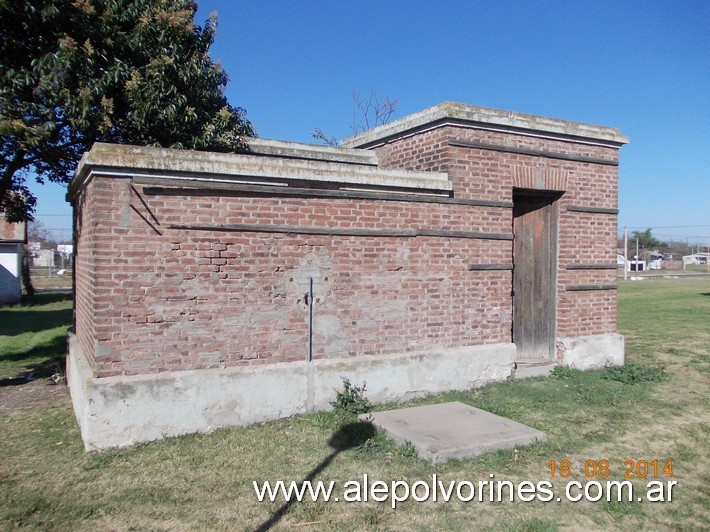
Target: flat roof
x=453 y=113
x=268 y=162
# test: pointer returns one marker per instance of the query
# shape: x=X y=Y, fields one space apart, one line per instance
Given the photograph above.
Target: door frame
x=554 y=203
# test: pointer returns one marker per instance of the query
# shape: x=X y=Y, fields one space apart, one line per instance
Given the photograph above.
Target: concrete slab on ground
x=452 y=430
x=525 y=368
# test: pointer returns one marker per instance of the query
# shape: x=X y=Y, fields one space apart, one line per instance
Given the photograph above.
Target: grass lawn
x=33 y=336
x=45 y=279
x=205 y=481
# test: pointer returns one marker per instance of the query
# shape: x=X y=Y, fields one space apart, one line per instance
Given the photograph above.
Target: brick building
x=449 y=248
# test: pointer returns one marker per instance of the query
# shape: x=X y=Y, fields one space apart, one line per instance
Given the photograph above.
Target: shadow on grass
x=16 y=322
x=346 y=437
x=27 y=317
x=51 y=357
x=46 y=297
x=41 y=352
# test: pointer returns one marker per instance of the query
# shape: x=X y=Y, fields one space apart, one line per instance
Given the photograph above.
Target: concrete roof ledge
x=486 y=118
x=125 y=161
x=297 y=150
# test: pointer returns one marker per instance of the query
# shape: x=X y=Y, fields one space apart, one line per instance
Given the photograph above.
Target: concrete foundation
x=203 y=279
x=588 y=352
x=124 y=410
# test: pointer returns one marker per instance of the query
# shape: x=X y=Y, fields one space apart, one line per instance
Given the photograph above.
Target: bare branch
x=325 y=139
x=372 y=111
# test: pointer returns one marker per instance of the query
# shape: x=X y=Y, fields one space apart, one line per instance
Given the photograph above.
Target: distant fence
x=51 y=278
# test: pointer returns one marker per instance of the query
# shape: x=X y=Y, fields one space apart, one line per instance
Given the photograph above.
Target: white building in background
x=696 y=258
x=636 y=265
x=12 y=238
x=41 y=258
x=656 y=262
x=620 y=261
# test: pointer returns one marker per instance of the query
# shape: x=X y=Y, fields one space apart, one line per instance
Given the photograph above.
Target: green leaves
x=73 y=72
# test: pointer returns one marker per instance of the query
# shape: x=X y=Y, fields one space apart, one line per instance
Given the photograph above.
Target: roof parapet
x=263 y=166
x=486 y=118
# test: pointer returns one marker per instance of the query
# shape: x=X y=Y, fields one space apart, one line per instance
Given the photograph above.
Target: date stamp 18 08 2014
x=603 y=468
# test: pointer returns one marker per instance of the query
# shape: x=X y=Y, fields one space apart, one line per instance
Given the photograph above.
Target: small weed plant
x=351 y=400
x=407 y=450
x=632 y=373
x=564 y=372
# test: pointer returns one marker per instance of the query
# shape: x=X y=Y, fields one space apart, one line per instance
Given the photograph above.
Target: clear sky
x=642 y=67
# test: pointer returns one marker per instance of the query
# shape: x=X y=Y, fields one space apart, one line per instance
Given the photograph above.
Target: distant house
x=631 y=265
x=39 y=257
x=65 y=254
x=656 y=262
x=636 y=265
x=696 y=258
x=12 y=237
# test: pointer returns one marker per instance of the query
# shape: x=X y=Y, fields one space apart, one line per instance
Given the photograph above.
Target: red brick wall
x=84 y=212
x=151 y=298
x=12 y=231
x=192 y=299
x=583 y=238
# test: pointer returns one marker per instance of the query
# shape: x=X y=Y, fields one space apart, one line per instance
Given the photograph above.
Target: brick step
x=533 y=367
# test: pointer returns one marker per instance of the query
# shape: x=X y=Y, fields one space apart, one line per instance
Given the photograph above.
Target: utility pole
x=637 y=255
x=626 y=251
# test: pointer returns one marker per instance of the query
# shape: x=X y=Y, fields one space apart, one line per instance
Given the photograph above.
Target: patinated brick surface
x=13 y=232
x=189 y=299
x=152 y=298
x=583 y=238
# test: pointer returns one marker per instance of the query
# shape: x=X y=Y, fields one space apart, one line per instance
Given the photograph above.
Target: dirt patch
x=34 y=394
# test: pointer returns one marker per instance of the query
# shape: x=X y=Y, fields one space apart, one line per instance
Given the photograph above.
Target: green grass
x=33 y=335
x=204 y=481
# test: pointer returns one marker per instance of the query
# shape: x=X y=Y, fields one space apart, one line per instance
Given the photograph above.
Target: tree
x=646 y=240
x=38 y=232
x=371 y=112
x=325 y=139
x=367 y=113
x=73 y=72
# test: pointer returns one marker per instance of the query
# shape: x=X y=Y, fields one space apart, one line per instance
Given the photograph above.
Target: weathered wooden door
x=534 y=267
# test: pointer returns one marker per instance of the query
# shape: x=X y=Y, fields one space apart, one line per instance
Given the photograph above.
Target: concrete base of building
x=124 y=410
x=588 y=352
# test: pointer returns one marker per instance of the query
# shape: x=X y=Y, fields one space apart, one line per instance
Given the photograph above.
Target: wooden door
x=534 y=275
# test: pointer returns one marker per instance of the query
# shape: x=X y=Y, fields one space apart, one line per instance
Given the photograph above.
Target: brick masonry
x=187 y=299
x=583 y=238
x=165 y=283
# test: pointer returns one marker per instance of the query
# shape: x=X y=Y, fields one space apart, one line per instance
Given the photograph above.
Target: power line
x=681 y=236
x=675 y=237
x=664 y=226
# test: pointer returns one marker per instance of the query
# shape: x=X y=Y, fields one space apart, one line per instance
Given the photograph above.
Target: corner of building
x=589 y=352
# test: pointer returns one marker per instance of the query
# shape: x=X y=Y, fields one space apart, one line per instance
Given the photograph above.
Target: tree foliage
x=73 y=72
x=647 y=240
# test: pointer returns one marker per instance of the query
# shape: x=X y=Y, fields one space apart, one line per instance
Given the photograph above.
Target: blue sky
x=642 y=67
